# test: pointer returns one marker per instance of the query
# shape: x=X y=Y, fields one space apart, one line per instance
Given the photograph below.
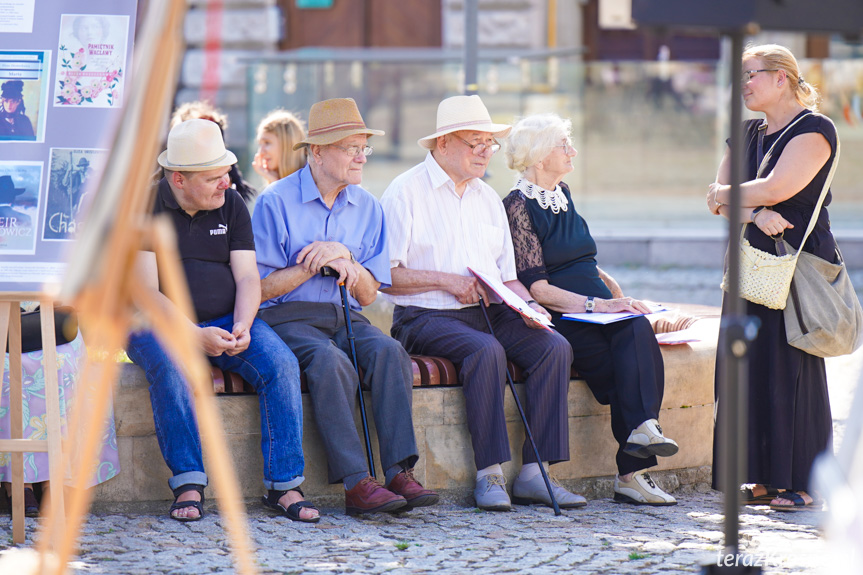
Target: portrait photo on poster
x=23 y=95
x=91 y=60
x=71 y=175
x=20 y=183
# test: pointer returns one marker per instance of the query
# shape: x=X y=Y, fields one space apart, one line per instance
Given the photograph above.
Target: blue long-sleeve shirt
x=291 y=214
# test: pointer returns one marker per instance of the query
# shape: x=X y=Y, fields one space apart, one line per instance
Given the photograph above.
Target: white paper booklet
x=499 y=293
x=606 y=318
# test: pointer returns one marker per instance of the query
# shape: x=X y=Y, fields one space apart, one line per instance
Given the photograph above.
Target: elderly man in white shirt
x=441 y=218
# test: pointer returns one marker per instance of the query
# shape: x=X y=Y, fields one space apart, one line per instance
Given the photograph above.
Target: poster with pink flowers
x=91 y=58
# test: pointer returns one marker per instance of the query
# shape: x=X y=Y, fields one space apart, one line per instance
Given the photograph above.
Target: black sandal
x=292 y=512
x=199 y=505
x=748 y=497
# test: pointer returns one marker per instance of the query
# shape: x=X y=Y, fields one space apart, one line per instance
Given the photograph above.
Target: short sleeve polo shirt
x=205 y=242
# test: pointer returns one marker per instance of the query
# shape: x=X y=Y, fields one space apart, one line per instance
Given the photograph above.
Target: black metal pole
x=736 y=332
x=527 y=432
x=729 y=451
x=326 y=272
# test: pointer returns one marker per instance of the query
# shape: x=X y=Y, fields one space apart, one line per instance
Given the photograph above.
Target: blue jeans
x=267 y=364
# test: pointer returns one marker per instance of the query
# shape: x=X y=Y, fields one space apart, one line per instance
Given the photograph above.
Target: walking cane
x=523 y=419
x=327 y=271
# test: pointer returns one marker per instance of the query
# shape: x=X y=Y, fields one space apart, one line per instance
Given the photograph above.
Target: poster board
x=64 y=75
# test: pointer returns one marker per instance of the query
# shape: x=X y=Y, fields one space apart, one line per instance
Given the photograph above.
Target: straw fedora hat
x=196 y=146
x=463 y=113
x=333 y=120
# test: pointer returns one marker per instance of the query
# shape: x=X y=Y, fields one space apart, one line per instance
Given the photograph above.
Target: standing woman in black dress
x=789 y=421
x=555 y=257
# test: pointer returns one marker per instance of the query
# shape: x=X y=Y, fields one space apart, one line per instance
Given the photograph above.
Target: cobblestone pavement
x=604 y=537
x=452 y=538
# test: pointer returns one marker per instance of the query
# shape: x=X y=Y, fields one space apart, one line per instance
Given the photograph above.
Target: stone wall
x=446 y=456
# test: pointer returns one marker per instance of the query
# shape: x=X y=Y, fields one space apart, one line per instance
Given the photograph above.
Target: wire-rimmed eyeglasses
x=747 y=74
x=479 y=149
x=354 y=151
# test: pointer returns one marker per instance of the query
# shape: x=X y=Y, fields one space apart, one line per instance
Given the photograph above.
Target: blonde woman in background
x=789 y=420
x=278 y=133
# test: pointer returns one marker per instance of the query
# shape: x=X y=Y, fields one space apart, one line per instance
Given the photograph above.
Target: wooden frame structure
x=10 y=323
x=102 y=284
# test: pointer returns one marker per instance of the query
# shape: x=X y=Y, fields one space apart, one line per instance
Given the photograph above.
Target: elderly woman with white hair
x=556 y=260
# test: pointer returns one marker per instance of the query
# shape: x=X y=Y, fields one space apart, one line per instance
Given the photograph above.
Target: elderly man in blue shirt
x=320 y=216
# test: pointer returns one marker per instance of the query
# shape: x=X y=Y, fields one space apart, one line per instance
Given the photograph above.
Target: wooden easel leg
x=176 y=338
x=88 y=432
x=16 y=421
x=175 y=332
x=10 y=322
x=52 y=412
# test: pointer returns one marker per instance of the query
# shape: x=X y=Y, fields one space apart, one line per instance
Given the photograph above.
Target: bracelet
x=756 y=211
x=530 y=302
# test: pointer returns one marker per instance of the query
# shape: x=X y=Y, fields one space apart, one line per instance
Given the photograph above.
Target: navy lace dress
x=620 y=362
x=789 y=409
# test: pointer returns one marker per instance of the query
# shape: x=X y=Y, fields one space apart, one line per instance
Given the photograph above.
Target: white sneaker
x=641 y=490
x=647 y=440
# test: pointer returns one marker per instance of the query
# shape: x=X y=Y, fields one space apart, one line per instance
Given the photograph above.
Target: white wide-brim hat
x=463 y=113
x=196 y=146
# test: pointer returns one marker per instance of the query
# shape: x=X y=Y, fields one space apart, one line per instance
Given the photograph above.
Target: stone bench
x=446 y=455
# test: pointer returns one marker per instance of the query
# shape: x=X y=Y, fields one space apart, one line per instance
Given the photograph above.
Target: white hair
x=533 y=138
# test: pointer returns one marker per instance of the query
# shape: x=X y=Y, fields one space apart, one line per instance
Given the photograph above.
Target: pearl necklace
x=554 y=199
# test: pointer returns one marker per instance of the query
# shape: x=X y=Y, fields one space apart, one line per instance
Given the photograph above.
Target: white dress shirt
x=431 y=228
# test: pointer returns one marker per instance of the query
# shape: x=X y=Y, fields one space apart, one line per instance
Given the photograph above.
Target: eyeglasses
x=566 y=145
x=747 y=74
x=479 y=149
x=354 y=151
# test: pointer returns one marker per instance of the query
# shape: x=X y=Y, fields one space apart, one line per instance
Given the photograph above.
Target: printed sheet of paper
x=16 y=16
x=499 y=293
x=20 y=183
x=90 y=61
x=678 y=337
x=24 y=75
x=71 y=175
x=607 y=318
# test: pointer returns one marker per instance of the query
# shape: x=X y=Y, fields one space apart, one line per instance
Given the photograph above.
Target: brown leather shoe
x=369 y=496
x=406 y=485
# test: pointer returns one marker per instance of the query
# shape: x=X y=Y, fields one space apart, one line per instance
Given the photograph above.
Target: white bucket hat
x=196 y=146
x=463 y=113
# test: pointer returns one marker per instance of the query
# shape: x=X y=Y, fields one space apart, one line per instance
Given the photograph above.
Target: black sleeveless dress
x=789 y=421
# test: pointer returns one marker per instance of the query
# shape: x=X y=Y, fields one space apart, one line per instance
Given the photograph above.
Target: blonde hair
x=533 y=138
x=774 y=56
x=199 y=109
x=288 y=130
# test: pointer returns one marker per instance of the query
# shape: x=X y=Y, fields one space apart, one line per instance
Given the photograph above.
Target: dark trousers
x=316 y=334
x=462 y=337
x=622 y=365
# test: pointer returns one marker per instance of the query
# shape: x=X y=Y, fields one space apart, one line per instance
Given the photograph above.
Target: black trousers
x=462 y=337
x=622 y=365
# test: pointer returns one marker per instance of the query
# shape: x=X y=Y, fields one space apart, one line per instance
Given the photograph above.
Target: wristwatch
x=589 y=304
